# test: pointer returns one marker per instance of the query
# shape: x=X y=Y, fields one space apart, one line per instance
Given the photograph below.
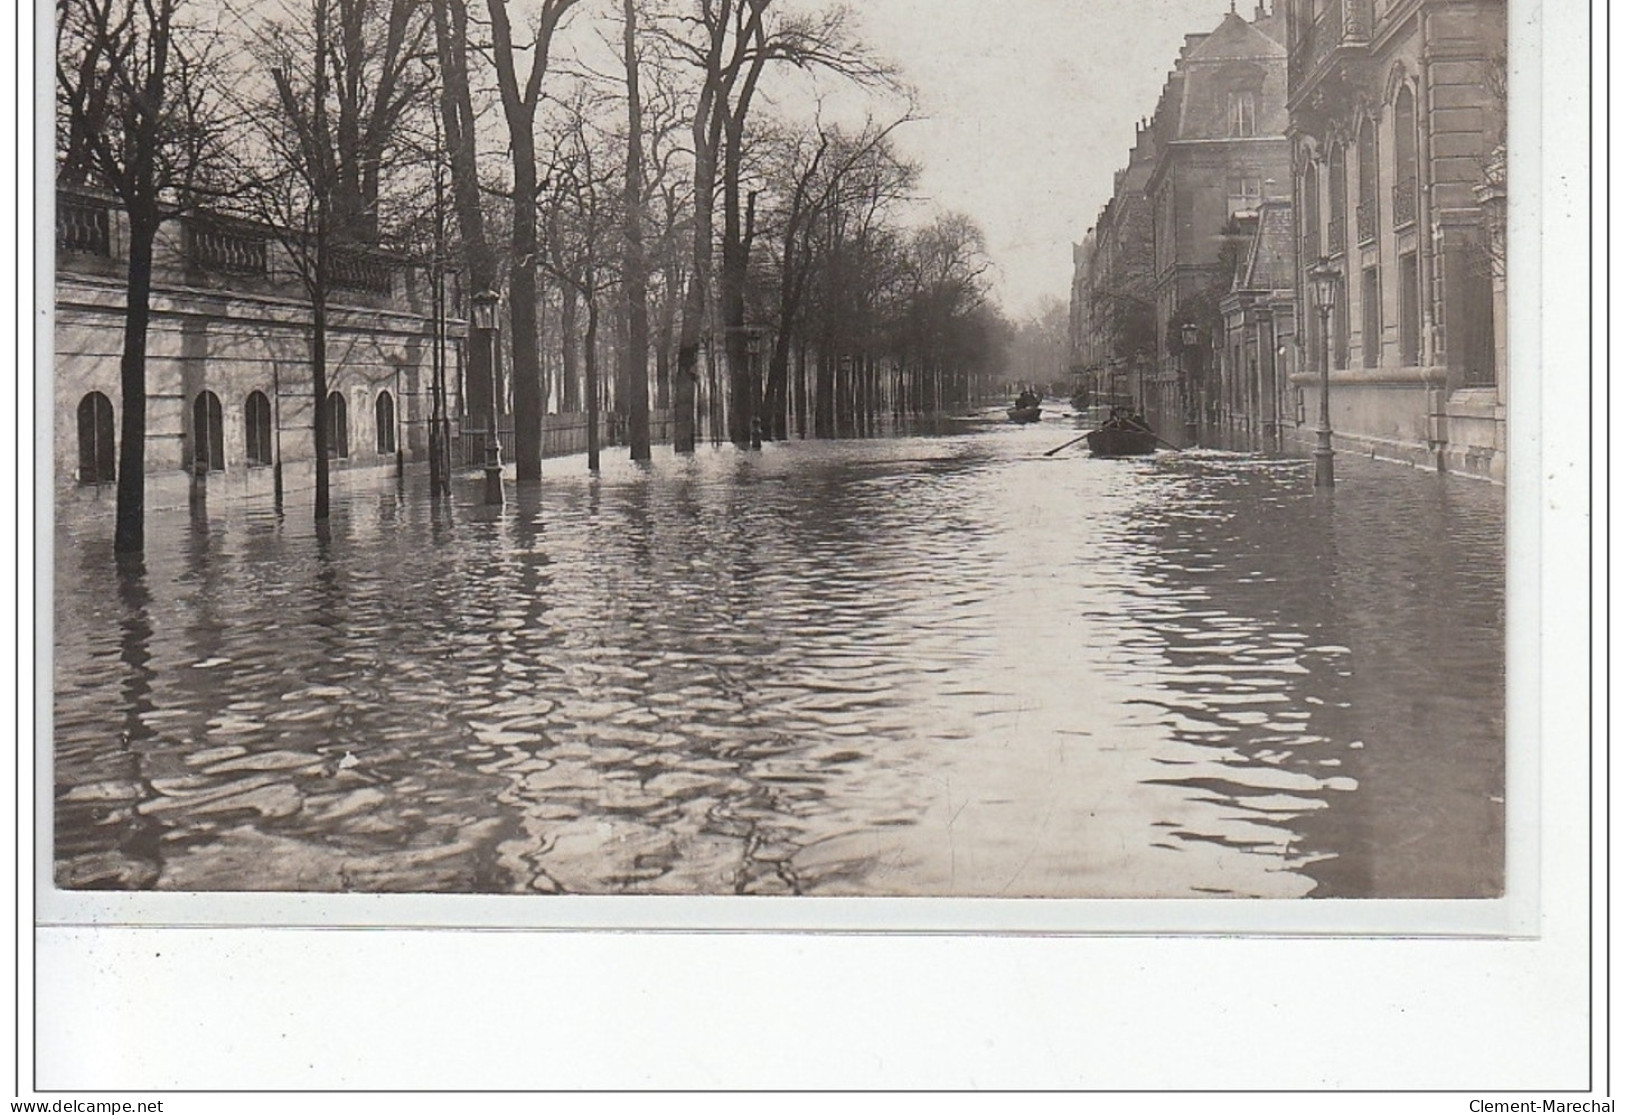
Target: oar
x=1069 y=444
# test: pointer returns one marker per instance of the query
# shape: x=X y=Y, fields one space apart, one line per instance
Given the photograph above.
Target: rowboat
x=1121 y=441
x=1025 y=414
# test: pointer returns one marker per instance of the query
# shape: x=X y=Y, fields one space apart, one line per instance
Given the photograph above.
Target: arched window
x=1337 y=188
x=386 y=422
x=208 y=433
x=1366 y=213
x=1404 y=158
x=257 y=428
x=1311 y=212
x=97 y=464
x=338 y=425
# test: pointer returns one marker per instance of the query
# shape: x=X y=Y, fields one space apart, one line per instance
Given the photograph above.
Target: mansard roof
x=1269 y=263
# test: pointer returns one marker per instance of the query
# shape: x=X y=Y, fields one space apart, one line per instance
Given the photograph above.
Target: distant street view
x=614 y=447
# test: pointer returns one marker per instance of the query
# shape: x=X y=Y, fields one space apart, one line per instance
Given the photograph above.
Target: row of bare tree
x=672 y=164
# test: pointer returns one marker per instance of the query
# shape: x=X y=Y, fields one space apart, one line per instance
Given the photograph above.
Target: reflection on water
x=929 y=665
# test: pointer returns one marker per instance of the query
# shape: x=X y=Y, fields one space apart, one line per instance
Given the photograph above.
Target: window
x=96 y=460
x=1337 y=186
x=1370 y=318
x=386 y=422
x=1404 y=159
x=1311 y=213
x=1366 y=213
x=1244 y=192
x=208 y=440
x=1340 y=328
x=1243 y=106
x=1410 y=311
x=1166 y=227
x=338 y=425
x=257 y=428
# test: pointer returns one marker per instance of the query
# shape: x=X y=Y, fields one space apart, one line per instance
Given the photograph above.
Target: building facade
x=1221 y=151
x=230 y=402
x=1257 y=402
x=1114 y=308
x=1398 y=137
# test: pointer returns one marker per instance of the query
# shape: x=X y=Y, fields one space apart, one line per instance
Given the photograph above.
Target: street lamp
x=1189 y=335
x=485 y=321
x=1323 y=281
x=753 y=347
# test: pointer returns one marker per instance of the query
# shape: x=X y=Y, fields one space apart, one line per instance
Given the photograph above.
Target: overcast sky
x=1032 y=107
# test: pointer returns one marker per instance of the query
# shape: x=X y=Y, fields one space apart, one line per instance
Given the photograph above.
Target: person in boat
x=1026 y=399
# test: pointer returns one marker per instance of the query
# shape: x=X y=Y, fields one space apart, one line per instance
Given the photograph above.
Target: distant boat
x=1025 y=414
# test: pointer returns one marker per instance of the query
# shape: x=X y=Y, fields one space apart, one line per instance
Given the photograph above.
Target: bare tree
x=583 y=221
x=635 y=267
x=519 y=105
x=320 y=196
x=460 y=124
x=137 y=116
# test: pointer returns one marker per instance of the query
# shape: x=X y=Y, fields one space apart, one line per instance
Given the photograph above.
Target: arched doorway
x=385 y=414
x=208 y=433
x=338 y=425
x=257 y=429
x=97 y=460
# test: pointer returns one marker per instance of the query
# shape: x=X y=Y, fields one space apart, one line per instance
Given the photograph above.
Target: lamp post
x=1323 y=280
x=485 y=320
x=1189 y=335
x=753 y=347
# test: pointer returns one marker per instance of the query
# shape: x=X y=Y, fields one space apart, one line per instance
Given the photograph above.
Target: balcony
x=1337 y=236
x=83 y=225
x=1365 y=221
x=1345 y=23
x=1405 y=203
x=233 y=251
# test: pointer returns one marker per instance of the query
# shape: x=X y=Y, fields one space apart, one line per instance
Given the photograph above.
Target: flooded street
x=943 y=665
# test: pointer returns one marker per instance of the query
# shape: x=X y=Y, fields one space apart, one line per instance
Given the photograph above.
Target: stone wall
x=235 y=321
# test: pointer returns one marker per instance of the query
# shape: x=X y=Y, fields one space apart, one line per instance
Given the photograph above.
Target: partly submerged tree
x=138 y=116
x=325 y=139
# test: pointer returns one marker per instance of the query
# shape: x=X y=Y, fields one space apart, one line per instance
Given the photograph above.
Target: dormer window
x=1243 y=105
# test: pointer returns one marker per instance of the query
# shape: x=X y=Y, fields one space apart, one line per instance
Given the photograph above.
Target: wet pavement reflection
x=932 y=665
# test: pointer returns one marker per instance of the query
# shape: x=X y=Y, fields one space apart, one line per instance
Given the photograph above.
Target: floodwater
x=932 y=665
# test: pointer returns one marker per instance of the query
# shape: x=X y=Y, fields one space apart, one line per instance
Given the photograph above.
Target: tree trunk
x=801 y=391
x=824 y=392
x=569 y=305
x=457 y=116
x=636 y=356
x=592 y=383
x=527 y=376
x=318 y=379
x=129 y=531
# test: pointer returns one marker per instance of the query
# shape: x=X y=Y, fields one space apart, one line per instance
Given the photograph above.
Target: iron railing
x=1365 y=220
x=1337 y=236
x=1405 y=203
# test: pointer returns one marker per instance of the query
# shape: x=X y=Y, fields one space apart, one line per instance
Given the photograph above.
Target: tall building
x=1083 y=344
x=1114 y=308
x=1219 y=134
x=1398 y=112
